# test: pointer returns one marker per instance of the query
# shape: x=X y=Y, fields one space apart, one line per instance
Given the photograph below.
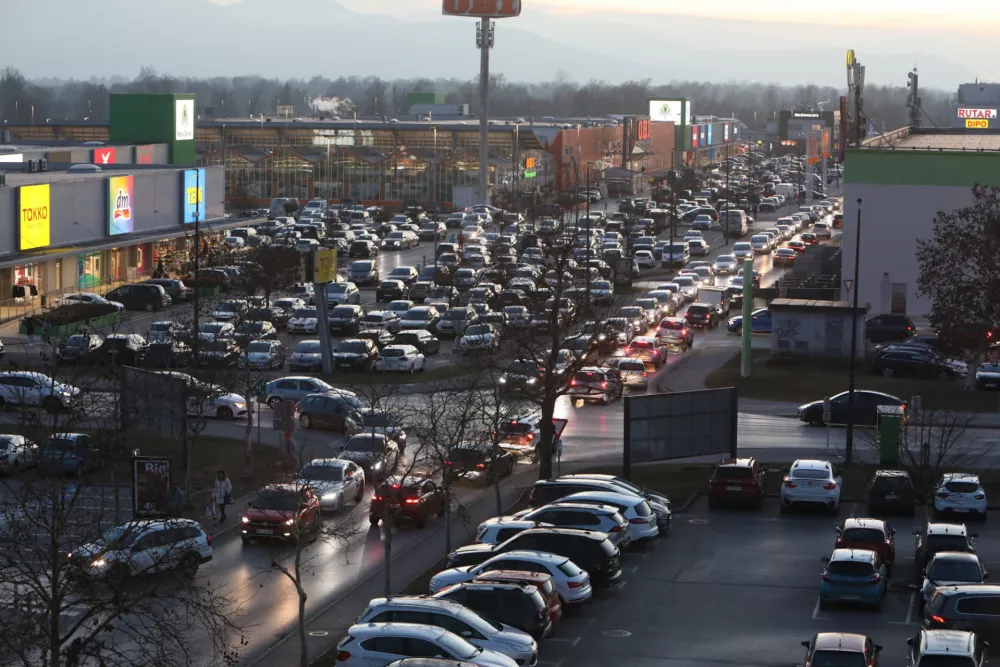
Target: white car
x=761 y=244
x=335 y=482
x=692 y=235
x=17 y=453
x=263 y=354
x=743 y=251
x=726 y=264
x=216 y=330
x=811 y=481
x=645 y=259
x=643 y=523
x=342 y=292
x=143 y=547
x=572 y=584
x=234 y=241
x=822 y=230
x=303 y=320
x=86 y=297
x=501 y=528
x=454 y=617
x=960 y=493
x=27 y=388
x=479 y=338
x=378 y=644
x=404 y=358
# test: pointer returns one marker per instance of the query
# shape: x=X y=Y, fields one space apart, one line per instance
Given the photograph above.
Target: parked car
x=960 y=493
x=121 y=349
x=17 y=453
x=871 y=534
x=891 y=490
x=883 y=328
x=355 y=354
x=31 y=389
x=741 y=480
x=811 y=482
x=384 y=643
x=166 y=354
x=402 y=358
x=223 y=353
x=854 y=575
x=424 y=341
x=143 y=296
x=69 y=454
x=264 y=355
x=79 y=349
x=937 y=537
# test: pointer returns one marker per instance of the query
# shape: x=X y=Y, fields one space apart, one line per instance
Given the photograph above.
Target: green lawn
x=801 y=381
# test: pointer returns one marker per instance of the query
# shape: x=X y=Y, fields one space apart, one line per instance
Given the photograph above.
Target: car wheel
x=271 y=402
x=189 y=565
x=118 y=576
x=224 y=414
x=420 y=522
x=306 y=421
x=339 y=506
x=150 y=307
x=361 y=494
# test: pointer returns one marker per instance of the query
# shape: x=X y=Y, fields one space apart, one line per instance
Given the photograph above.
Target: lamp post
x=849 y=446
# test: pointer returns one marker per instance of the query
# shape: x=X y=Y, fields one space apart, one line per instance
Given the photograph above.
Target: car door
x=354 y=480
x=146 y=554
x=431 y=500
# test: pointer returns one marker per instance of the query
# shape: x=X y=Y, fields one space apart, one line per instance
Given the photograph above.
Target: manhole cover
x=318 y=633
x=616 y=633
x=697 y=520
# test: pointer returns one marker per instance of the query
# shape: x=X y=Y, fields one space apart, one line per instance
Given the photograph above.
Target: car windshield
x=308 y=347
x=841 y=659
x=77 y=341
x=323 y=473
x=947 y=543
x=342 y=312
x=259 y=347
x=863 y=535
x=230 y=307
x=120 y=536
x=215 y=346
x=354 y=346
x=522 y=368
x=631 y=365
x=304 y=313
x=212 y=327
x=417 y=314
x=336 y=288
x=948 y=569
x=684 y=281
x=275 y=500
x=478 y=330
x=364 y=443
x=722 y=259
x=850 y=568
x=456 y=315
x=962 y=487
x=458 y=647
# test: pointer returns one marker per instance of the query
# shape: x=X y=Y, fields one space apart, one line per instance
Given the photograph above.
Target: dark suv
x=413 y=499
x=144 y=296
x=891 y=490
x=884 y=328
x=703 y=315
x=969 y=607
x=479 y=462
x=937 y=537
x=738 y=480
x=519 y=606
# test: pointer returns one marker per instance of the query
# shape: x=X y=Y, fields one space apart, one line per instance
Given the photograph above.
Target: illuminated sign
x=977 y=123
x=709 y=135
x=193 y=195
x=494 y=9
x=725 y=132
x=121 y=205
x=530 y=174
x=104 y=155
x=804 y=114
x=34 y=216
x=529 y=163
x=665 y=111
x=977 y=113
x=694 y=137
x=687 y=111
x=183 y=120
x=642 y=131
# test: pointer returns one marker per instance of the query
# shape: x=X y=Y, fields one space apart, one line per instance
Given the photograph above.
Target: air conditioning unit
x=43 y=164
x=32 y=166
x=4 y=136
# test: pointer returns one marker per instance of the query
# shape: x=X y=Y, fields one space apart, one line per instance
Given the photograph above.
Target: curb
x=690 y=501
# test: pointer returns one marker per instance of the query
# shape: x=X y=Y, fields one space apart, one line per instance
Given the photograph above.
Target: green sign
x=259 y=388
x=530 y=174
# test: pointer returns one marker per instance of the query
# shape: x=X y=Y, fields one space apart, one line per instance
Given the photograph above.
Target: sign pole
x=746 y=326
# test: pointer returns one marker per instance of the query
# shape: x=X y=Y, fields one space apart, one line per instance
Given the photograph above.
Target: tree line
x=23 y=100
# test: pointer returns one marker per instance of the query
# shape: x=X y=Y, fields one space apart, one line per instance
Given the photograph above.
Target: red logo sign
x=482 y=8
x=104 y=155
x=144 y=155
x=977 y=113
x=642 y=130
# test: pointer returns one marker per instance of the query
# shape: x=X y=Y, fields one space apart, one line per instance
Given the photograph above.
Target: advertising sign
x=183 y=120
x=34 y=216
x=977 y=113
x=12 y=157
x=193 y=194
x=104 y=155
x=144 y=154
x=325 y=266
x=687 y=112
x=725 y=132
x=665 y=111
x=494 y=9
x=694 y=137
x=702 y=137
x=826 y=143
x=805 y=114
x=121 y=205
x=812 y=148
x=150 y=485
x=709 y=135
x=642 y=132
x=977 y=123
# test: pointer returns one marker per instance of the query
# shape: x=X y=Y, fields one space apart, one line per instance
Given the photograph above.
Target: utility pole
x=484 y=40
x=914 y=98
x=197 y=265
x=323 y=315
x=590 y=241
x=849 y=446
x=746 y=324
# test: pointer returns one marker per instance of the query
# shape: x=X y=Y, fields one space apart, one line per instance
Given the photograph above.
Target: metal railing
x=16 y=309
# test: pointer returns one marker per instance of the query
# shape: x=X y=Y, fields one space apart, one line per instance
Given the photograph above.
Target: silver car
x=335 y=482
x=634 y=373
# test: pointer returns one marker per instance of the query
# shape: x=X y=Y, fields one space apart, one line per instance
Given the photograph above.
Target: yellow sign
x=325 y=267
x=34 y=216
x=977 y=123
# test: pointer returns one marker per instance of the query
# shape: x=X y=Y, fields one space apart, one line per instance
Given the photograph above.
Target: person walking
x=223 y=493
x=29 y=330
x=46 y=332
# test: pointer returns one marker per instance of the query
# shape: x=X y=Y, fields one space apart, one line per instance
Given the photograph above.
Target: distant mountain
x=309 y=37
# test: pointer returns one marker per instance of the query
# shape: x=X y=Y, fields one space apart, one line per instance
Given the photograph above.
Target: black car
x=174 y=287
x=345 y=319
x=330 y=411
x=391 y=290
x=444 y=292
x=218 y=353
x=79 y=349
x=419 y=290
x=883 y=328
x=912 y=362
x=522 y=376
x=891 y=490
x=426 y=342
x=937 y=537
x=259 y=330
x=866 y=404
x=376 y=453
x=381 y=337
x=143 y=296
x=485 y=463
x=705 y=315
x=276 y=316
x=590 y=550
x=166 y=354
x=121 y=349
x=355 y=354
x=518 y=605
x=363 y=250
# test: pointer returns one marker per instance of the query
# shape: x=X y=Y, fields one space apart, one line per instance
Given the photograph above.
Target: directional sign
x=325 y=270
x=848 y=284
x=560 y=426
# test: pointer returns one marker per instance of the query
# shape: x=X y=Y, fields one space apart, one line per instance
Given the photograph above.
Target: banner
x=666 y=111
x=193 y=195
x=812 y=148
x=150 y=485
x=826 y=144
x=121 y=205
x=34 y=216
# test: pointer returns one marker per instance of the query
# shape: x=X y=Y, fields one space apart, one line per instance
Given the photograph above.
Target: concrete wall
x=812 y=334
x=893 y=217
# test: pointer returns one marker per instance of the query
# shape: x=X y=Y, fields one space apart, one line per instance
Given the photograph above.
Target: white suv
x=811 y=481
x=381 y=643
x=572 y=584
x=501 y=528
x=960 y=493
x=454 y=617
x=31 y=389
x=956 y=647
x=143 y=547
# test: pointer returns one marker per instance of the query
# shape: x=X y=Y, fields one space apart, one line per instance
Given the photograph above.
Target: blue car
x=68 y=454
x=760 y=322
x=855 y=576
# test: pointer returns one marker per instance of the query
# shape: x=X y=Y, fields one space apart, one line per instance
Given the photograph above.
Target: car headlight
x=377 y=466
x=99 y=562
x=329 y=496
x=245 y=520
x=289 y=522
x=503 y=380
x=240 y=406
x=532 y=380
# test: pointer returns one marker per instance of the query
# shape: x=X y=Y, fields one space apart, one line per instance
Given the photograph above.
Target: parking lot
x=732 y=588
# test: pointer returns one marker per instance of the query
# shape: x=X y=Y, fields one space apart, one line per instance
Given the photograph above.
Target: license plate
x=891 y=496
x=265 y=531
x=734 y=488
x=959 y=509
x=850 y=597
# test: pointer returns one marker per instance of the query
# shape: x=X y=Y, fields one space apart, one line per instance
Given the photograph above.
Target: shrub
x=76 y=313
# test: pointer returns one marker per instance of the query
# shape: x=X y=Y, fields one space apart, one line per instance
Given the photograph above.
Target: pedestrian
x=175 y=501
x=210 y=504
x=461 y=240
x=46 y=332
x=223 y=494
x=29 y=330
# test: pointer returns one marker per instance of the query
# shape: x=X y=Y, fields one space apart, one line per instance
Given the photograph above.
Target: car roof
x=947 y=529
x=329 y=463
x=509 y=522
x=956 y=555
x=281 y=487
x=839 y=641
x=395 y=630
x=892 y=473
x=812 y=464
x=587 y=507
x=942 y=642
x=864 y=523
x=959 y=477
x=736 y=463
x=517 y=575
x=852 y=556
x=417 y=601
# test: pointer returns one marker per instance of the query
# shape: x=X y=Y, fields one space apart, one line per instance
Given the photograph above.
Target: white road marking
x=574 y=641
x=815 y=614
x=631 y=569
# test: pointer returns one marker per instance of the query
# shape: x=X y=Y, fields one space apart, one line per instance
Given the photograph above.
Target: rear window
x=570 y=569
x=863 y=535
x=733 y=472
x=642 y=508
x=840 y=659
x=947 y=543
x=809 y=473
x=947 y=661
x=697 y=310
x=985 y=605
x=850 y=568
x=962 y=487
x=891 y=484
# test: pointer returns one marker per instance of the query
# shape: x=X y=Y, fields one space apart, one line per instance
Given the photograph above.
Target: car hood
x=256 y=514
x=358 y=457
x=306 y=355
x=321 y=487
x=347 y=355
x=302 y=320
x=454 y=575
x=258 y=356
x=223 y=399
x=336 y=298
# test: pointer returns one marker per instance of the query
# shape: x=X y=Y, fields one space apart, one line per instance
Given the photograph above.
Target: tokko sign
x=494 y=9
x=977 y=113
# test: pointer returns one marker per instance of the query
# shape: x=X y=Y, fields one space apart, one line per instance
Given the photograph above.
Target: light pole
x=849 y=447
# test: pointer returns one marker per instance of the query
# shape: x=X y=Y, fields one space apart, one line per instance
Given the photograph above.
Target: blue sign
x=193 y=195
x=709 y=135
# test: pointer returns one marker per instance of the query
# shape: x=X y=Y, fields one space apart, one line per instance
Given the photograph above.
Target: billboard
x=121 y=204
x=702 y=136
x=144 y=154
x=34 y=216
x=104 y=155
x=687 y=112
x=812 y=148
x=325 y=266
x=977 y=113
x=725 y=132
x=977 y=123
x=680 y=425
x=183 y=120
x=193 y=195
x=826 y=148
x=150 y=485
x=666 y=111
x=694 y=137
x=494 y=9
x=709 y=135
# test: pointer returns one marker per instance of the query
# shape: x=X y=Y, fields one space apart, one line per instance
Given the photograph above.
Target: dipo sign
x=494 y=9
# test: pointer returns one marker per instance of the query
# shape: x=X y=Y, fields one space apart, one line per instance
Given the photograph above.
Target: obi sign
x=34 y=216
x=642 y=132
x=977 y=113
x=977 y=123
x=494 y=9
x=121 y=205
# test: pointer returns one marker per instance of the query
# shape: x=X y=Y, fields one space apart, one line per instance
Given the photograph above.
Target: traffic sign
x=259 y=388
x=848 y=284
x=325 y=266
x=560 y=426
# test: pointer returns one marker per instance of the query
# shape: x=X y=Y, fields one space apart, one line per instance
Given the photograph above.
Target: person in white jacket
x=223 y=493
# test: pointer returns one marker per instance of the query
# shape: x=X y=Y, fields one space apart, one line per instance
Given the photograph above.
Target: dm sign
x=121 y=205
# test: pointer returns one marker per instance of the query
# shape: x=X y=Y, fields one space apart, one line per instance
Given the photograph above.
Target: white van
x=787 y=190
x=735 y=222
x=677 y=254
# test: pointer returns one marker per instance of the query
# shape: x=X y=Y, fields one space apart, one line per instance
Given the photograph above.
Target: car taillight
x=829 y=486
x=938 y=619
x=575 y=584
x=980 y=496
x=572 y=382
x=825 y=577
x=789 y=483
x=412 y=501
x=377 y=499
x=639 y=520
x=644 y=374
x=480 y=465
x=684 y=332
x=876 y=578
x=942 y=494
x=448 y=463
x=208 y=538
x=343 y=656
x=531 y=436
x=617 y=529
x=604 y=385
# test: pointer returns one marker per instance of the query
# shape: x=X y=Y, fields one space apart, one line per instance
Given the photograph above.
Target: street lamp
x=849 y=447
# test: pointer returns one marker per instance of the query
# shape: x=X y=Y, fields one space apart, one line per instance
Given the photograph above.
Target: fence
x=15 y=309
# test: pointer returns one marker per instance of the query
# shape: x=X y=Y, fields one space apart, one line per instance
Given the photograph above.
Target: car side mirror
x=973 y=535
x=892 y=531
x=249 y=503
x=878 y=648
x=805 y=643
x=341 y=448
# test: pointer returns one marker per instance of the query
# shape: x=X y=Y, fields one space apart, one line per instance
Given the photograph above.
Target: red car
x=739 y=481
x=281 y=512
x=796 y=245
x=809 y=238
x=871 y=534
x=540 y=580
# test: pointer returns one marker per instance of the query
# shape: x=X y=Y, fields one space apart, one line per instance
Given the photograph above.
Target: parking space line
x=815 y=614
x=574 y=641
x=546 y=663
x=631 y=569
